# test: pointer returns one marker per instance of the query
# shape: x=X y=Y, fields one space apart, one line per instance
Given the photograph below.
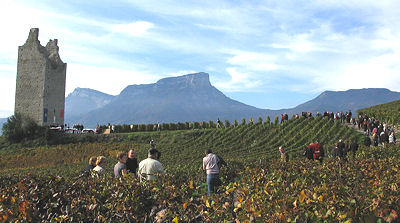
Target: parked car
x=91 y=131
x=71 y=130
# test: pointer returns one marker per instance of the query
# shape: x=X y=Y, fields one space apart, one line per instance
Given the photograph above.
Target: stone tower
x=40 y=90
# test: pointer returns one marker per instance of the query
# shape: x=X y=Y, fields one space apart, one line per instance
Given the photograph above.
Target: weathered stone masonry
x=40 y=90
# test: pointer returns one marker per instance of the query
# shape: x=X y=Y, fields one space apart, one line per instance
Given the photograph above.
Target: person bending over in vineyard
x=150 y=166
x=92 y=164
x=319 y=152
x=100 y=163
x=354 y=147
x=367 y=140
x=309 y=152
x=131 y=162
x=341 y=149
x=284 y=155
x=120 y=167
x=212 y=164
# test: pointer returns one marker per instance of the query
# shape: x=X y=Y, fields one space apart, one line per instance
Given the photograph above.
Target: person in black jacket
x=341 y=149
x=131 y=162
x=367 y=141
x=354 y=147
x=309 y=153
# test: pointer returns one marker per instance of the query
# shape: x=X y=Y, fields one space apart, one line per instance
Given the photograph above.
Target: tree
x=276 y=122
x=18 y=128
x=268 y=120
x=227 y=124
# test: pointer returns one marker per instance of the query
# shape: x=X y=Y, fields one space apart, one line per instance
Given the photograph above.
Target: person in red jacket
x=318 y=151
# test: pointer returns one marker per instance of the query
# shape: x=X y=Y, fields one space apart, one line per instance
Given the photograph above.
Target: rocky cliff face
x=176 y=99
x=84 y=100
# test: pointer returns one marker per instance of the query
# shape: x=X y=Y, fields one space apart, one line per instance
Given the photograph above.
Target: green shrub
x=19 y=128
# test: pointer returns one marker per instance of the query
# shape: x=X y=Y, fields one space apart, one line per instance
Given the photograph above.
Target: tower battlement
x=40 y=88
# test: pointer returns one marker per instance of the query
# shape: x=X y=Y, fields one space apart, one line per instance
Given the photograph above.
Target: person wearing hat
x=150 y=166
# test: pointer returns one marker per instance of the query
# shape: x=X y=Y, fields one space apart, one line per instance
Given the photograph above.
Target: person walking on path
x=150 y=166
x=131 y=162
x=210 y=165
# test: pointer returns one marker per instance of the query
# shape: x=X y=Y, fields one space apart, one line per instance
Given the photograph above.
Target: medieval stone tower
x=40 y=91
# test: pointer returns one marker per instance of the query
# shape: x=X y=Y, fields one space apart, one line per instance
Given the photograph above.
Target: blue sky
x=269 y=54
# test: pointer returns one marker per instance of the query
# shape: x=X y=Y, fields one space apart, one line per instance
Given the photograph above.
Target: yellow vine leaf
x=191 y=184
x=208 y=204
x=230 y=190
x=320 y=198
x=302 y=196
x=175 y=220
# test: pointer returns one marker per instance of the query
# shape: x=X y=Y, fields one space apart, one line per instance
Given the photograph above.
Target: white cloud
x=109 y=80
x=239 y=81
x=254 y=61
x=138 y=28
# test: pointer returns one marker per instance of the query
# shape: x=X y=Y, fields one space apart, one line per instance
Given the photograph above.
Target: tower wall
x=41 y=74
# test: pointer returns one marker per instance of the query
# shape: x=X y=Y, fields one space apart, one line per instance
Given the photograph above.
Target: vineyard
x=43 y=184
x=388 y=113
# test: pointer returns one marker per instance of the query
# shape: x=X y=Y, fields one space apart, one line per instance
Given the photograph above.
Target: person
x=131 y=162
x=354 y=147
x=92 y=164
x=341 y=149
x=392 y=138
x=150 y=166
x=152 y=144
x=284 y=155
x=318 y=152
x=210 y=165
x=218 y=123
x=120 y=168
x=100 y=163
x=375 y=139
x=309 y=152
x=367 y=140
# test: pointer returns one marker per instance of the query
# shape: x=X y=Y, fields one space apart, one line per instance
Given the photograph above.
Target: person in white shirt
x=150 y=166
x=100 y=162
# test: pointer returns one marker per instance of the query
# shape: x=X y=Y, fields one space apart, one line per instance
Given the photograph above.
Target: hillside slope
x=388 y=112
x=244 y=143
x=354 y=99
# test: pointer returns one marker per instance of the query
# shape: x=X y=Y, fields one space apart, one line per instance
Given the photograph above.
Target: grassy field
x=42 y=183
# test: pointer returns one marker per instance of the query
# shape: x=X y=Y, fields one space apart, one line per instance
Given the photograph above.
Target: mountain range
x=192 y=98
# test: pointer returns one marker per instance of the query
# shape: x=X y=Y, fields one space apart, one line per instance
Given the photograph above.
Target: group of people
x=127 y=163
x=315 y=151
x=148 y=168
x=381 y=133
